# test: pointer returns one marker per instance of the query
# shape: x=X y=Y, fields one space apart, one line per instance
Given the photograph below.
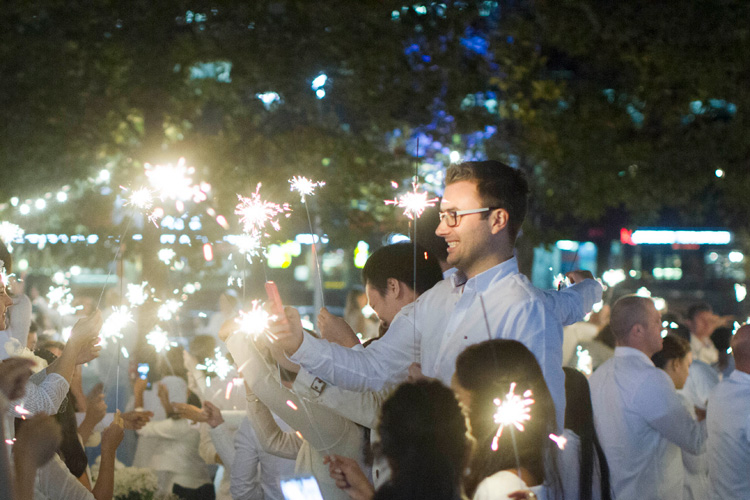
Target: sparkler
x=306 y=187
x=256 y=212
x=166 y=255
x=513 y=411
x=136 y=294
x=255 y=321
x=560 y=441
x=168 y=309
x=175 y=182
x=115 y=323
x=158 y=339
x=10 y=232
x=219 y=365
x=413 y=202
x=61 y=300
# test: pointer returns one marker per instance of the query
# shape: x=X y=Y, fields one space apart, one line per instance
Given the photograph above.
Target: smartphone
x=143 y=369
x=273 y=295
x=301 y=488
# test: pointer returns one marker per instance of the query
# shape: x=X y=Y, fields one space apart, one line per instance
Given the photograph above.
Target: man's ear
x=499 y=219
x=393 y=286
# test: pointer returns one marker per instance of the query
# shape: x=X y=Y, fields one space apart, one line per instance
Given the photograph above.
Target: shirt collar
x=483 y=280
x=623 y=351
x=740 y=377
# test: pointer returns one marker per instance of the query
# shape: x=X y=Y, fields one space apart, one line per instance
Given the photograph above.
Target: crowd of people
x=468 y=387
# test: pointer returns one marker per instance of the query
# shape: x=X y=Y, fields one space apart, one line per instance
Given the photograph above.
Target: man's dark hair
x=700 y=307
x=434 y=244
x=499 y=186
x=397 y=261
x=5 y=257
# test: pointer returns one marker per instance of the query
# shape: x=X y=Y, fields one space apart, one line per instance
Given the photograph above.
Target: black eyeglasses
x=453 y=217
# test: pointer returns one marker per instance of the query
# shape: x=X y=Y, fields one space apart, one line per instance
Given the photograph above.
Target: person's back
x=728 y=418
x=639 y=418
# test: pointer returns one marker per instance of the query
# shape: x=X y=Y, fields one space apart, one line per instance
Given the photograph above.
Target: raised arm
x=571 y=304
x=386 y=361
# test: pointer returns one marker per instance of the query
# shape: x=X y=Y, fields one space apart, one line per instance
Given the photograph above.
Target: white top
x=323 y=432
x=700 y=382
x=574 y=334
x=729 y=438
x=642 y=425
x=501 y=484
x=256 y=473
x=704 y=351
x=570 y=468
x=54 y=481
x=19 y=318
x=177 y=454
x=451 y=316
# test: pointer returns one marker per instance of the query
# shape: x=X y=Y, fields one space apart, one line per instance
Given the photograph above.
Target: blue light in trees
x=320 y=93
x=319 y=81
x=476 y=44
x=268 y=99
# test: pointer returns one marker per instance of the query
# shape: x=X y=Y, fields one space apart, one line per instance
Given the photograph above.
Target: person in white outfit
x=640 y=420
x=729 y=427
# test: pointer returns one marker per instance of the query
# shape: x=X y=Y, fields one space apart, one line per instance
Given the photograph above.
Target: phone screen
x=301 y=488
x=143 y=369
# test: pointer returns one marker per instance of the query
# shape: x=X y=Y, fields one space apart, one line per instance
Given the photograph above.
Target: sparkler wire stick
x=114 y=261
x=315 y=256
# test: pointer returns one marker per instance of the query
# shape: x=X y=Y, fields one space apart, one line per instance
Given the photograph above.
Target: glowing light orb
x=166 y=255
x=10 y=232
x=168 y=309
x=560 y=441
x=513 y=410
x=413 y=202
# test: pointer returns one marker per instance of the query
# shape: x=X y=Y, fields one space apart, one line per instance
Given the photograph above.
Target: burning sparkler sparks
x=115 y=323
x=413 y=202
x=512 y=410
x=10 y=232
x=61 y=300
x=560 y=441
x=168 y=309
x=166 y=255
x=219 y=365
x=255 y=321
x=158 y=339
x=255 y=212
x=304 y=186
x=175 y=182
x=137 y=294
x=584 y=361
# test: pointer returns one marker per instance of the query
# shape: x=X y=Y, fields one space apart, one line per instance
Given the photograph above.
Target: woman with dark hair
x=676 y=358
x=488 y=371
x=424 y=437
x=585 y=467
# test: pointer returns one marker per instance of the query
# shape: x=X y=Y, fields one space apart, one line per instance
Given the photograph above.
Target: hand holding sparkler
x=348 y=476
x=14 y=373
x=579 y=275
x=335 y=329
x=112 y=435
x=287 y=330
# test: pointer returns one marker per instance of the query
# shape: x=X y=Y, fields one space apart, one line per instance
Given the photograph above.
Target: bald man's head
x=741 y=349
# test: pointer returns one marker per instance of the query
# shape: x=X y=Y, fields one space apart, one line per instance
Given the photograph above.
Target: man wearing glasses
x=483 y=207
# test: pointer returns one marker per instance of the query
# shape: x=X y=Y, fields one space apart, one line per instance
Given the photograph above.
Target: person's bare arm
x=111 y=439
x=36 y=442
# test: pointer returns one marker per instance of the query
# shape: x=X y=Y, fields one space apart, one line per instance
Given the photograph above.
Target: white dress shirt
x=704 y=350
x=642 y=425
x=452 y=315
x=501 y=484
x=256 y=473
x=729 y=438
x=176 y=461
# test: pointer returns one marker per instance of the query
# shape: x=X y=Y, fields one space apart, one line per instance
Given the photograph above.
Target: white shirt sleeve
x=571 y=304
x=322 y=428
x=45 y=397
x=222 y=438
x=383 y=362
x=245 y=483
x=659 y=404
